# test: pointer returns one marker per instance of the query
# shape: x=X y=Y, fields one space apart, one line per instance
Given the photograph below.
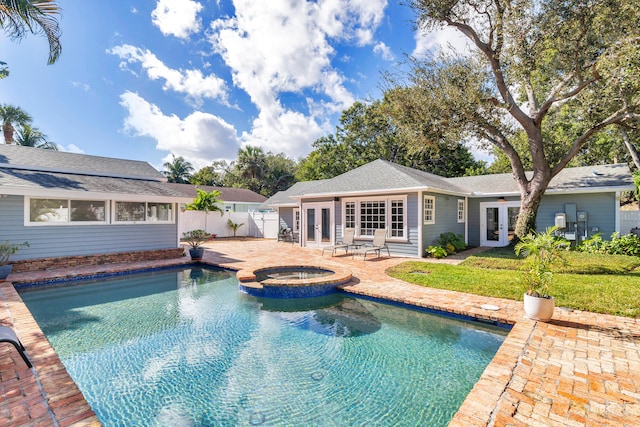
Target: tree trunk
x=7 y=130
x=632 y=149
x=531 y=193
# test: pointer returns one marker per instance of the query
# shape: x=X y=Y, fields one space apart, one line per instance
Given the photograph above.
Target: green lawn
x=592 y=282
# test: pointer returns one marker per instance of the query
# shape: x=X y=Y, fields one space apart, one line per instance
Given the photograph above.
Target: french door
x=498 y=222
x=318 y=224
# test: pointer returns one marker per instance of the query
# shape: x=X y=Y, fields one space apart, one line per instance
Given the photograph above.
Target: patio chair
x=379 y=243
x=347 y=240
x=7 y=335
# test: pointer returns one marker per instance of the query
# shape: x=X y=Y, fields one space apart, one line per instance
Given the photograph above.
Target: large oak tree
x=530 y=60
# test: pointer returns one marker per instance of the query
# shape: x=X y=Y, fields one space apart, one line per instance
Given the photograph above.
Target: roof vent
x=596 y=173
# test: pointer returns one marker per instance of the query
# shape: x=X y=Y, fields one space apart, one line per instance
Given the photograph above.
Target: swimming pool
x=186 y=348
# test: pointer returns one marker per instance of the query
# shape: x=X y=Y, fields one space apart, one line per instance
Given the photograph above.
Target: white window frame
x=296 y=220
x=429 y=214
x=461 y=210
x=387 y=218
x=29 y=223
x=146 y=208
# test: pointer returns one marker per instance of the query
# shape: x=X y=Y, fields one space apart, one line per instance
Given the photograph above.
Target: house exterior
x=231 y=199
x=67 y=204
x=416 y=207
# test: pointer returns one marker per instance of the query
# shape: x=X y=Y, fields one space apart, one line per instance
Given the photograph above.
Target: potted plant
x=6 y=250
x=195 y=239
x=542 y=250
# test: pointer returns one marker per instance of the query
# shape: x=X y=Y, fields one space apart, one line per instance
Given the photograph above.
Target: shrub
x=618 y=245
x=437 y=251
x=455 y=240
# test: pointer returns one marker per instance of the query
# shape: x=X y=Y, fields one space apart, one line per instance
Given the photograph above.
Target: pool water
x=185 y=348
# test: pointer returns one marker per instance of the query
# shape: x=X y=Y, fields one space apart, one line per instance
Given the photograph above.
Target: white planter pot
x=537 y=308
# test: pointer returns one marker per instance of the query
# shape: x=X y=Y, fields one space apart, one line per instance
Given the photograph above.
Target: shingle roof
x=285 y=198
x=19 y=157
x=227 y=194
x=381 y=175
x=26 y=170
x=616 y=176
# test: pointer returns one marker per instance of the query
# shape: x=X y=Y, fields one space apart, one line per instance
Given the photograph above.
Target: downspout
x=420 y=224
x=466 y=220
x=617 y=211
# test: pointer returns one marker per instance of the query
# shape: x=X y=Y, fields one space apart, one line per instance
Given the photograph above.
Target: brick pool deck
x=580 y=369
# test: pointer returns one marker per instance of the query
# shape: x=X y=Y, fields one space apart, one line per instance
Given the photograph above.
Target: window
x=67 y=211
x=296 y=220
x=143 y=212
x=429 y=210
x=460 y=210
x=397 y=218
x=350 y=215
x=368 y=215
x=372 y=217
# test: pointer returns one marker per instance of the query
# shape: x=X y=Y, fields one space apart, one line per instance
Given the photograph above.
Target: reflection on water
x=332 y=315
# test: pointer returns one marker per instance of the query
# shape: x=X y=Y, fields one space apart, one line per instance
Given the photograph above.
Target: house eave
x=573 y=190
x=89 y=195
x=378 y=192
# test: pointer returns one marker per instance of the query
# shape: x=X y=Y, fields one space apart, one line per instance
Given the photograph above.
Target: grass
x=592 y=282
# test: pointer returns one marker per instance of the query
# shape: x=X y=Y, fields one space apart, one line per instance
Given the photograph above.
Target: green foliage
x=456 y=240
x=7 y=249
x=206 y=201
x=447 y=244
x=618 y=245
x=437 y=251
x=195 y=238
x=542 y=251
x=178 y=170
x=366 y=133
x=234 y=226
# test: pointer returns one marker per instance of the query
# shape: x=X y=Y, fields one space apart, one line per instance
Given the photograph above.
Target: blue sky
x=200 y=79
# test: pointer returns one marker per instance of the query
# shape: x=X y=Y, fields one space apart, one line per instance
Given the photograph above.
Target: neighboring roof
x=35 y=171
x=227 y=194
x=616 y=177
x=19 y=157
x=381 y=176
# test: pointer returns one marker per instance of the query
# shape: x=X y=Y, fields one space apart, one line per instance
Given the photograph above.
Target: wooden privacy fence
x=255 y=224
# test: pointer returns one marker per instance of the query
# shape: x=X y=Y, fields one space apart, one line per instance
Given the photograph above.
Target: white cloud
x=84 y=86
x=447 y=39
x=384 y=51
x=200 y=137
x=71 y=148
x=284 y=47
x=177 y=17
x=190 y=82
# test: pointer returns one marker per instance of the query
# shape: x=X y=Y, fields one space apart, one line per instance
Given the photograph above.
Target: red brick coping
x=39 y=264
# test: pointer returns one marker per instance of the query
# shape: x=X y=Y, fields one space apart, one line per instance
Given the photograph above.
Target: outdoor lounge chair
x=379 y=243
x=7 y=335
x=347 y=240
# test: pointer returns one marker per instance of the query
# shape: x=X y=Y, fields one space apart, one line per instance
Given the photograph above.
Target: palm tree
x=17 y=17
x=178 y=170
x=251 y=162
x=10 y=115
x=29 y=136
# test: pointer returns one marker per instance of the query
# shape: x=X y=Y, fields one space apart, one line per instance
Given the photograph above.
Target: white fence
x=255 y=224
x=629 y=220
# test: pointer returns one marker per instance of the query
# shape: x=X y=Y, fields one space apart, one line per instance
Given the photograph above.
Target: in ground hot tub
x=292 y=281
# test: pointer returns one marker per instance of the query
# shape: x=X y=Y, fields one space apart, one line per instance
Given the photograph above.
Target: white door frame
x=502 y=223
x=317 y=240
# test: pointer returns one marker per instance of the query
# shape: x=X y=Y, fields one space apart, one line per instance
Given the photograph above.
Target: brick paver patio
x=580 y=369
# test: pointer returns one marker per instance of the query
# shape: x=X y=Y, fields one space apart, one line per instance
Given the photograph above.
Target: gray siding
x=285 y=216
x=69 y=240
x=600 y=208
x=446 y=218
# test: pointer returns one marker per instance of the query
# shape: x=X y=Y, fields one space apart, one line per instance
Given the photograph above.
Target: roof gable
x=381 y=175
